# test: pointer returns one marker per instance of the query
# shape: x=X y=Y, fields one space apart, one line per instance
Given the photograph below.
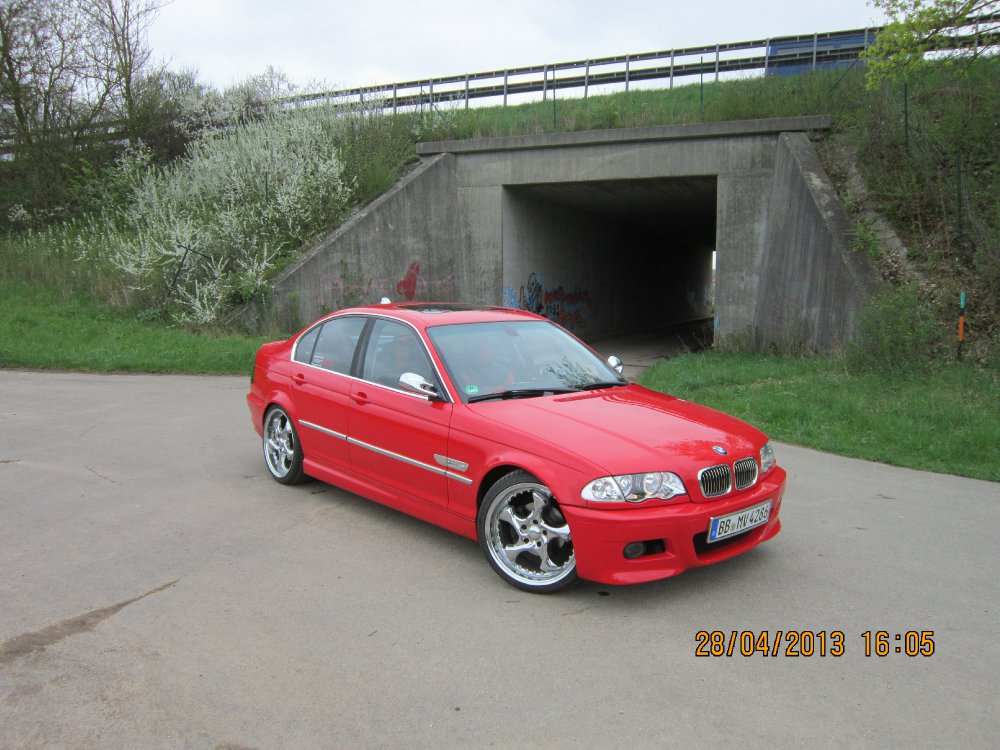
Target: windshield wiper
x=519 y=393
x=604 y=384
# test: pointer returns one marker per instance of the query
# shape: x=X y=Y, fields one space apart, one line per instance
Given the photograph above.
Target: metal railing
x=775 y=55
x=772 y=55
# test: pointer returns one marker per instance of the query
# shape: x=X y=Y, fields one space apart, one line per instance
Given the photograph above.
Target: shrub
x=897 y=333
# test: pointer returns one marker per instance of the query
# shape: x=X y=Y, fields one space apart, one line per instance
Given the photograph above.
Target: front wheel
x=282 y=452
x=525 y=536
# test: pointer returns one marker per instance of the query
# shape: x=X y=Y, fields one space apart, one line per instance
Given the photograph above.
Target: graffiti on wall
x=348 y=289
x=567 y=308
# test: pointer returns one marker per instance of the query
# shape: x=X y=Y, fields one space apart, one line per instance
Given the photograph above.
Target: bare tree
x=119 y=28
x=66 y=65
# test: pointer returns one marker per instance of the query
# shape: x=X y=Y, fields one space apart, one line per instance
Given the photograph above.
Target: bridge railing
x=775 y=55
x=772 y=56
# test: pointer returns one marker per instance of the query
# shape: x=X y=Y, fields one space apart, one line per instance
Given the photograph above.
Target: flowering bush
x=207 y=229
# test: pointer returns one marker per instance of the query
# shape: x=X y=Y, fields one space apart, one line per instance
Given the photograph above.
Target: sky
x=339 y=44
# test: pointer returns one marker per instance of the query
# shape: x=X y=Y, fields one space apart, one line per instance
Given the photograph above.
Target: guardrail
x=787 y=54
x=772 y=56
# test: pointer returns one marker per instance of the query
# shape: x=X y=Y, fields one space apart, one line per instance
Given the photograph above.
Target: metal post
x=815 y=45
x=701 y=83
x=961 y=326
x=767 y=56
x=716 y=63
x=505 y=88
x=626 y=71
x=466 y=90
x=394 y=90
x=545 y=82
x=671 y=68
x=586 y=80
x=906 y=118
x=958 y=187
x=430 y=99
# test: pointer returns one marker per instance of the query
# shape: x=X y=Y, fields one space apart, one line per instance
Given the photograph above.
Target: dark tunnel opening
x=613 y=257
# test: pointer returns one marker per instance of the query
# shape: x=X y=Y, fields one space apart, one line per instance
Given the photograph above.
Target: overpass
x=606 y=232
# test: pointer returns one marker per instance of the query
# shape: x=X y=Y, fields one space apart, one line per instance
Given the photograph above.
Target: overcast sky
x=359 y=43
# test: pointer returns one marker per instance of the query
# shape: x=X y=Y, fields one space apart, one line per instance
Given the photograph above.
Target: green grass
x=44 y=328
x=947 y=422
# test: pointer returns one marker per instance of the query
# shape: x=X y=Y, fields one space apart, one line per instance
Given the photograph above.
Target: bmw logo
x=720 y=450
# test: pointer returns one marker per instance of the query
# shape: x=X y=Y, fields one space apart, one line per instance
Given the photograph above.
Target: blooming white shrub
x=211 y=225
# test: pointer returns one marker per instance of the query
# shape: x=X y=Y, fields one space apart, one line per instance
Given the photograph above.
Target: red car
x=505 y=428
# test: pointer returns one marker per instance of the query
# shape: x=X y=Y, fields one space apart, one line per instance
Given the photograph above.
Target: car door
x=321 y=387
x=398 y=438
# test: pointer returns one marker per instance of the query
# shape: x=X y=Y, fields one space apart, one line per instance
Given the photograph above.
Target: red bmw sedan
x=503 y=427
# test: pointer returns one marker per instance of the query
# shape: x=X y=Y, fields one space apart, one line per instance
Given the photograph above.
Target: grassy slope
x=945 y=422
x=41 y=327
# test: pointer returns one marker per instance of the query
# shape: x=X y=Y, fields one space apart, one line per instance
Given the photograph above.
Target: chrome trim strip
x=463 y=480
x=407 y=460
x=325 y=431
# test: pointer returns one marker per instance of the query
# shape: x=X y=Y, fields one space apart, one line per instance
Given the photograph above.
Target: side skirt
x=442 y=517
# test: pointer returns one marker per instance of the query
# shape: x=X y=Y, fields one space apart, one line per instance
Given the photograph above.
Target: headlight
x=634 y=488
x=766 y=458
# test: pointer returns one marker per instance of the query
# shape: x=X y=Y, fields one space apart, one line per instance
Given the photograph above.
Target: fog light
x=634 y=549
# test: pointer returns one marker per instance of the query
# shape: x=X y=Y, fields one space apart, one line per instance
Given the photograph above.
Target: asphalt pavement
x=159 y=590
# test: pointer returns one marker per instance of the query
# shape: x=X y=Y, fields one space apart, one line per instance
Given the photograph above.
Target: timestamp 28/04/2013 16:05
x=805 y=643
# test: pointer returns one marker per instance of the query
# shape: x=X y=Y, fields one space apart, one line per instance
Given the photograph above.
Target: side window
x=304 y=349
x=392 y=350
x=335 y=346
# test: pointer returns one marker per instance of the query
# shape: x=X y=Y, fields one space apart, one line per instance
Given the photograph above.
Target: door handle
x=299 y=379
x=360 y=398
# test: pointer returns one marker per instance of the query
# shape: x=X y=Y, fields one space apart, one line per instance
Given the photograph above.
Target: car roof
x=427 y=314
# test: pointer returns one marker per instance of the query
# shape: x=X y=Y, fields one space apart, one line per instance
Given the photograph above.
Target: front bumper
x=600 y=536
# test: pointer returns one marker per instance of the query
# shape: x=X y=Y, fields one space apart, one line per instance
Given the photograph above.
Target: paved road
x=157 y=590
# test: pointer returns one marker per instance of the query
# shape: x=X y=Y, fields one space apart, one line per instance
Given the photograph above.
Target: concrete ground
x=158 y=590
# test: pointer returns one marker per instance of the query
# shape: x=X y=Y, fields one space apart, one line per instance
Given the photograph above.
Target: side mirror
x=414 y=383
x=616 y=364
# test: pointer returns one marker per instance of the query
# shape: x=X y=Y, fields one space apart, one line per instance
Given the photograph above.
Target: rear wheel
x=525 y=536
x=282 y=452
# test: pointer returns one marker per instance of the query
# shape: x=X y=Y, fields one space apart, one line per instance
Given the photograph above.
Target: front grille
x=715 y=480
x=746 y=473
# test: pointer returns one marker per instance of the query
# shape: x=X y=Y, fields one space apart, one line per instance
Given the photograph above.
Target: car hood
x=629 y=429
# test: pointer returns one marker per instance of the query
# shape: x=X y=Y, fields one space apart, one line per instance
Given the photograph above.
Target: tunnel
x=609 y=257
x=607 y=232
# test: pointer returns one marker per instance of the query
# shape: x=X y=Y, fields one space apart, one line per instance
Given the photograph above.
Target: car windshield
x=515 y=359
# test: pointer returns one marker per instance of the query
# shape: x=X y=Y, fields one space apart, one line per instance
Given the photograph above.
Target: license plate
x=726 y=526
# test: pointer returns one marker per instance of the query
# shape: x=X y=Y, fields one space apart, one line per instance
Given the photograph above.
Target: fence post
x=626 y=72
x=466 y=90
x=505 y=87
x=958 y=187
x=701 y=84
x=815 y=44
x=430 y=100
x=394 y=91
x=906 y=118
x=545 y=82
x=767 y=55
x=586 y=80
x=716 y=63
x=671 y=69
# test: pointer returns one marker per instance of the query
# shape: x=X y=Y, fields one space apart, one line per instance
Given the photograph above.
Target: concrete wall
x=605 y=231
x=400 y=246
x=812 y=283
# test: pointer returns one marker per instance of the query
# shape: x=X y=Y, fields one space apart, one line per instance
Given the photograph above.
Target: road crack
x=39 y=640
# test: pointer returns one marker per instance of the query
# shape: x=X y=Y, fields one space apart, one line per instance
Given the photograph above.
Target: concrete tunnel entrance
x=614 y=257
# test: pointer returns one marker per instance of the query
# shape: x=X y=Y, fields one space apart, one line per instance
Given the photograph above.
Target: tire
x=525 y=536
x=282 y=451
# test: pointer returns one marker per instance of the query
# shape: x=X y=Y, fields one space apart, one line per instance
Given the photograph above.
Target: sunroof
x=445 y=307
